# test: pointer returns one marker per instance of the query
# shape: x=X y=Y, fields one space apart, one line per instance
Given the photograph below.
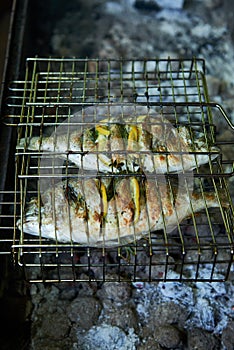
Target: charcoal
x=199 y=339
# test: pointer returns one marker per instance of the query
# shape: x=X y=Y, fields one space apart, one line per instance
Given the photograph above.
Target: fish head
x=38 y=221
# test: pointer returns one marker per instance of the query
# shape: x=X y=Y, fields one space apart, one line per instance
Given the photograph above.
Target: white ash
x=114 y=7
x=210 y=304
x=176 y=4
x=108 y=337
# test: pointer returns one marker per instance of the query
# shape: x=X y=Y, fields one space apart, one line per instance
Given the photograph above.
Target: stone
x=215 y=86
x=124 y=317
x=228 y=336
x=149 y=344
x=84 y=311
x=198 y=339
x=86 y=289
x=68 y=293
x=114 y=293
x=170 y=313
x=167 y=336
x=212 y=4
x=224 y=136
x=51 y=325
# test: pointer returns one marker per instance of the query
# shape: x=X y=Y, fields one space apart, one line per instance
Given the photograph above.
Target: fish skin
x=158 y=149
x=80 y=221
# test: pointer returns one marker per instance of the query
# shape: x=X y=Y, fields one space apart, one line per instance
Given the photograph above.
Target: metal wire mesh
x=51 y=95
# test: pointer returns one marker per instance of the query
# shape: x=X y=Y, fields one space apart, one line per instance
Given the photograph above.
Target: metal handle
x=223 y=112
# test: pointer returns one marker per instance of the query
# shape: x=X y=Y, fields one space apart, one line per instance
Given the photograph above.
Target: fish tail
x=31 y=143
x=210 y=200
x=221 y=198
x=21 y=144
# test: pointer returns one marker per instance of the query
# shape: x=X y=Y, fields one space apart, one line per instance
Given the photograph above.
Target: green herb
x=76 y=201
x=92 y=134
x=123 y=131
x=110 y=190
x=70 y=194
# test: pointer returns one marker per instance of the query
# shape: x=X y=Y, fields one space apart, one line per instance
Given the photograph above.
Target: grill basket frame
x=52 y=91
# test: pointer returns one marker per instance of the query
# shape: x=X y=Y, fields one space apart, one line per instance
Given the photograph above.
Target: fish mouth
x=18 y=224
x=29 y=224
x=30 y=216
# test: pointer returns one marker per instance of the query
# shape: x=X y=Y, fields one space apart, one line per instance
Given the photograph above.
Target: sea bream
x=150 y=143
x=110 y=212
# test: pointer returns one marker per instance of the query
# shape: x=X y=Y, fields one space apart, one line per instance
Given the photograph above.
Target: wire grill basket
x=55 y=96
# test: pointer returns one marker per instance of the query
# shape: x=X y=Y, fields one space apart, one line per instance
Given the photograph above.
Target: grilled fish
x=113 y=145
x=110 y=212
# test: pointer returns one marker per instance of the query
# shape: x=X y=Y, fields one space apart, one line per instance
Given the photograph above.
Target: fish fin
x=21 y=144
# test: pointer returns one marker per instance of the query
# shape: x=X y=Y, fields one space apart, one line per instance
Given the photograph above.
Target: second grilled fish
x=110 y=212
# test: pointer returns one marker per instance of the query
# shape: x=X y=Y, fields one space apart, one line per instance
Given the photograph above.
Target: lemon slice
x=132 y=138
x=104 y=200
x=103 y=130
x=133 y=134
x=135 y=190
